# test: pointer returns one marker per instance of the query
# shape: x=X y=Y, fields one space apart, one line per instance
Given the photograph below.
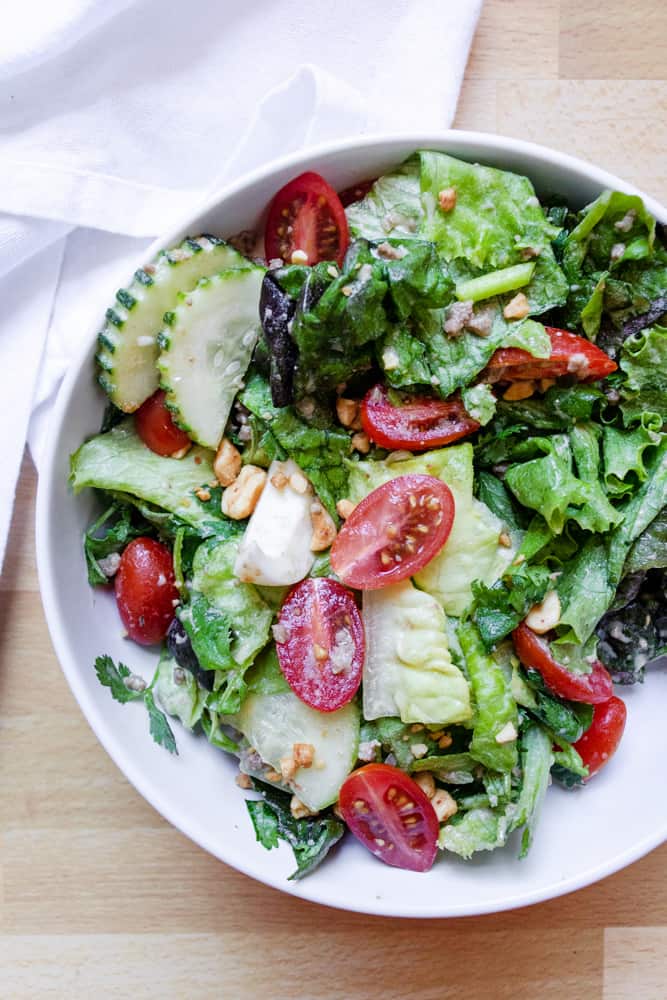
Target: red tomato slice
x=321 y=646
x=570 y=355
x=156 y=428
x=146 y=590
x=355 y=193
x=535 y=652
x=417 y=424
x=307 y=215
x=391 y=816
x=600 y=741
x=393 y=532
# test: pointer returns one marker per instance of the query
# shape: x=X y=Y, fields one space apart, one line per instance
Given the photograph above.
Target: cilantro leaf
x=160 y=729
x=113 y=677
x=117 y=679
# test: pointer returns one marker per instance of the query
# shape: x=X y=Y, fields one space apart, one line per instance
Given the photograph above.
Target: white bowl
x=582 y=836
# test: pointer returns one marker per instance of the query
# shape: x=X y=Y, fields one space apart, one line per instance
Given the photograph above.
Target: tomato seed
x=422 y=529
x=412 y=500
x=433 y=503
x=392 y=530
x=360 y=806
x=320 y=652
x=385 y=558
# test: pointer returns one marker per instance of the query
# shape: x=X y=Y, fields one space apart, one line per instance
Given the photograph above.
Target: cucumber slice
x=274 y=723
x=128 y=346
x=205 y=350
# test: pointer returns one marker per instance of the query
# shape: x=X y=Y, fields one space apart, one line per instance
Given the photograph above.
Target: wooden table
x=100 y=896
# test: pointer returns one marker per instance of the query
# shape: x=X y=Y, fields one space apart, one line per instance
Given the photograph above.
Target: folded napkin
x=117 y=117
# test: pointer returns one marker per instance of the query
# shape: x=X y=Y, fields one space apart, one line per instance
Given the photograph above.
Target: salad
x=388 y=495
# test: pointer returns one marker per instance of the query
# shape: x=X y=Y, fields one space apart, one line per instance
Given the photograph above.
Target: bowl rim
x=107 y=735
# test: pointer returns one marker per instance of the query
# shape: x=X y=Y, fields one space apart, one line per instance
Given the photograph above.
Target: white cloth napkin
x=117 y=116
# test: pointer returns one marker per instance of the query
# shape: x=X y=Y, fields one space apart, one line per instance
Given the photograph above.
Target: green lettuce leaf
x=408 y=669
x=644 y=363
x=311 y=838
x=650 y=549
x=585 y=591
x=227 y=621
x=625 y=458
x=638 y=512
x=316 y=444
x=536 y=762
x=530 y=336
x=120 y=462
x=392 y=206
x=178 y=692
x=498 y=609
x=480 y=402
x=495 y=710
x=478 y=829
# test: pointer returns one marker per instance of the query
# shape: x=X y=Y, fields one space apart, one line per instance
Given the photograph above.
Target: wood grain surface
x=99 y=896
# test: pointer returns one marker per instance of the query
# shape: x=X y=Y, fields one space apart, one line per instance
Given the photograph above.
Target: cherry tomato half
x=146 y=590
x=417 y=424
x=393 y=532
x=600 y=741
x=321 y=643
x=570 y=355
x=535 y=652
x=307 y=215
x=156 y=428
x=391 y=816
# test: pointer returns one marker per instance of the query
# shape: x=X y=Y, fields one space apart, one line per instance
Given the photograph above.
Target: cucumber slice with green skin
x=128 y=346
x=273 y=723
x=206 y=347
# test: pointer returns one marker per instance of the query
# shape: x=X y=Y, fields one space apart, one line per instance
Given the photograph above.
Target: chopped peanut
x=287 y=768
x=508 y=734
x=243 y=780
x=324 y=529
x=517 y=308
x=445 y=741
x=348 y=413
x=203 y=494
x=304 y=754
x=444 y=804
x=182 y=452
x=279 y=480
x=546 y=383
x=273 y=776
x=299 y=483
x=504 y=540
x=299 y=810
x=519 y=390
x=240 y=499
x=345 y=508
x=426 y=782
x=360 y=442
x=545 y=616
x=447 y=199
x=227 y=463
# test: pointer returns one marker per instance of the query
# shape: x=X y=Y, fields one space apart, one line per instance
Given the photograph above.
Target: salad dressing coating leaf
x=408 y=669
x=495 y=710
x=121 y=463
